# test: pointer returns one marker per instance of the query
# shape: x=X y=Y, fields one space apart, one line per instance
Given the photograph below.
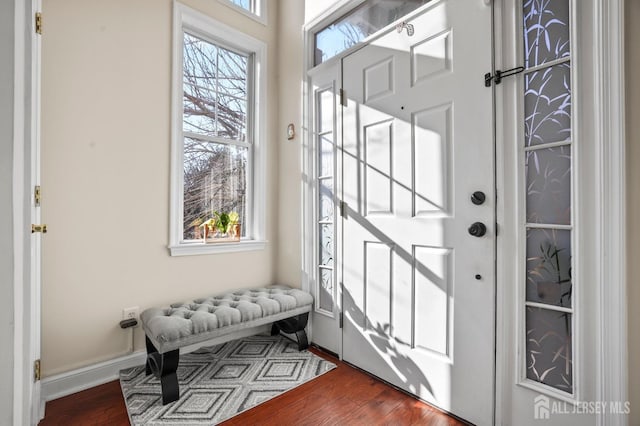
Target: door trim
x=610 y=92
x=28 y=408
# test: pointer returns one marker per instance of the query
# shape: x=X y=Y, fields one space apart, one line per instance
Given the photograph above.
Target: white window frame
x=257 y=11
x=187 y=19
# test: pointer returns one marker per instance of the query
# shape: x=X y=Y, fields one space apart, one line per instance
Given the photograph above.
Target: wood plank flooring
x=343 y=396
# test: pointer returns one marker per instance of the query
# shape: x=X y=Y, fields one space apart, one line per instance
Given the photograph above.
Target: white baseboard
x=70 y=382
x=73 y=381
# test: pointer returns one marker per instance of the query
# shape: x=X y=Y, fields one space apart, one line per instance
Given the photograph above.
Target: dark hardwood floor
x=343 y=396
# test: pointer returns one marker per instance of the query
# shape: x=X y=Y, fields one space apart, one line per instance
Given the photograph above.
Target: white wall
x=290 y=78
x=633 y=201
x=6 y=210
x=106 y=81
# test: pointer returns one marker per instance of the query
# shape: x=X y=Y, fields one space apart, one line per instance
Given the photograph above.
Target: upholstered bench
x=221 y=318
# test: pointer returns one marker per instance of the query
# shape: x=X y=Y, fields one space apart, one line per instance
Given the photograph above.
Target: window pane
x=326 y=244
x=232 y=75
x=326 y=200
x=325 y=111
x=547 y=103
x=245 y=4
x=215 y=179
x=548 y=173
x=549 y=348
x=360 y=24
x=326 y=155
x=549 y=266
x=546 y=27
x=325 y=290
x=215 y=90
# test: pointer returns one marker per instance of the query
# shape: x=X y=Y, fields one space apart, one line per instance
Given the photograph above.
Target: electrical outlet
x=132 y=312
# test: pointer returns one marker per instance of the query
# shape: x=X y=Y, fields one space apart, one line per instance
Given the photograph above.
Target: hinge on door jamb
x=343 y=209
x=36 y=370
x=37 y=195
x=340 y=319
x=38 y=22
x=343 y=97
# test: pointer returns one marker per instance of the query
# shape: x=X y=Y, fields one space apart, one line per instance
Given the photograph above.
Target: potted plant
x=222 y=227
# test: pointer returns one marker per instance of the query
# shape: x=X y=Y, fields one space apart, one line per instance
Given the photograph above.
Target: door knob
x=477 y=229
x=478 y=198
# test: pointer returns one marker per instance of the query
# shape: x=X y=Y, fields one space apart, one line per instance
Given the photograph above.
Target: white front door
x=418 y=295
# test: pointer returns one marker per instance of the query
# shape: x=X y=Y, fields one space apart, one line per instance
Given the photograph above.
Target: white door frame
x=608 y=54
x=28 y=409
x=610 y=334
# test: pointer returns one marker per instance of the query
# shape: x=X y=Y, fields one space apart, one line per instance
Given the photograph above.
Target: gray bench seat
x=170 y=328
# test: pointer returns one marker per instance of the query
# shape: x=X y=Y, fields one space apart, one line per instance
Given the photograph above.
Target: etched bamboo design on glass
x=548 y=141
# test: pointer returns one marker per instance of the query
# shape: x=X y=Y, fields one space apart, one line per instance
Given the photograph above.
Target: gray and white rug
x=218 y=382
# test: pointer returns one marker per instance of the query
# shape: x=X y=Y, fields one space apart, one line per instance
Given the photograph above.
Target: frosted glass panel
x=326 y=156
x=547 y=104
x=326 y=200
x=549 y=348
x=549 y=266
x=325 y=290
x=548 y=173
x=326 y=244
x=546 y=26
x=325 y=111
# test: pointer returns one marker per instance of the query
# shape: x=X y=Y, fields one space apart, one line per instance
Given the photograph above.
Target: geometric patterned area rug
x=218 y=382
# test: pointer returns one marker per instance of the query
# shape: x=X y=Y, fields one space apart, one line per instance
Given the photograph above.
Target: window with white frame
x=218 y=132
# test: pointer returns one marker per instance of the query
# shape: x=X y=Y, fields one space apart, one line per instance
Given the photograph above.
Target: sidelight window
x=325 y=143
x=548 y=145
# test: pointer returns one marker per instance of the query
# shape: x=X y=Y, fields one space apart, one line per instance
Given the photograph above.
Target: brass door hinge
x=343 y=208
x=36 y=370
x=37 y=195
x=38 y=228
x=38 y=22
x=343 y=97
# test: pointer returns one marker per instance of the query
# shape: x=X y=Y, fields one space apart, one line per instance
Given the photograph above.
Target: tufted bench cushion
x=219 y=317
x=183 y=324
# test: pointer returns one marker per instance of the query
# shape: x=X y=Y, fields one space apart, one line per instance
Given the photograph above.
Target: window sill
x=195 y=249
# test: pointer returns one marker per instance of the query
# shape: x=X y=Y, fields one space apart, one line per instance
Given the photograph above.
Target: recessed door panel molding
x=378 y=80
x=431 y=57
x=378 y=176
x=378 y=287
x=432 y=160
x=432 y=294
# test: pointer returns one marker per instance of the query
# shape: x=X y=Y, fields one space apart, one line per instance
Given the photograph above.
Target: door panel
x=417 y=142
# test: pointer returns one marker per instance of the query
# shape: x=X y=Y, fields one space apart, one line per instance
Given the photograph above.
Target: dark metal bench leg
x=275 y=330
x=294 y=325
x=169 y=377
x=150 y=351
x=302 y=340
x=164 y=366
